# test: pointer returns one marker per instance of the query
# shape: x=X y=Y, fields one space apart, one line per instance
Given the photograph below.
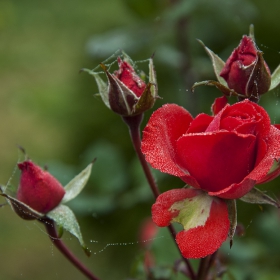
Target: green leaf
x=64 y=217
x=102 y=86
x=217 y=62
x=275 y=78
x=256 y=196
x=75 y=186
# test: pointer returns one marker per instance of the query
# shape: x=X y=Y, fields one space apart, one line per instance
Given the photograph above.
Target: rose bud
x=246 y=72
x=126 y=93
x=38 y=188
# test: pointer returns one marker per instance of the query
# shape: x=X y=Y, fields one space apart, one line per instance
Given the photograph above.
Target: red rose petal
x=246 y=117
x=204 y=240
x=219 y=104
x=235 y=191
x=160 y=209
x=127 y=75
x=216 y=160
x=165 y=126
x=200 y=123
x=258 y=174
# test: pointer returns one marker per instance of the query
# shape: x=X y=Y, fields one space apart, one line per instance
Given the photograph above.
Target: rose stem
x=203 y=268
x=133 y=124
x=205 y=265
x=50 y=227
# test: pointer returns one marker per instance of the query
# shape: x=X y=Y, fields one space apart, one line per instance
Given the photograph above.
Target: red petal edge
x=204 y=240
x=160 y=209
x=165 y=126
x=218 y=105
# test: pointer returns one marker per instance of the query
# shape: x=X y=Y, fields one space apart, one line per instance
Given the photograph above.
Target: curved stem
x=133 y=124
x=50 y=227
x=134 y=131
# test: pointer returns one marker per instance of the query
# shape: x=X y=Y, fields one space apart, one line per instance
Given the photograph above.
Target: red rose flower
x=38 y=188
x=245 y=71
x=225 y=155
x=222 y=156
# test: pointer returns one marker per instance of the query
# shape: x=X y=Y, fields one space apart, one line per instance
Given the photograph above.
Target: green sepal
x=252 y=32
x=146 y=100
x=153 y=78
x=224 y=89
x=149 y=96
x=256 y=196
x=121 y=98
x=259 y=81
x=76 y=185
x=60 y=231
x=232 y=215
x=128 y=59
x=103 y=88
x=63 y=216
x=217 y=62
x=275 y=78
x=22 y=209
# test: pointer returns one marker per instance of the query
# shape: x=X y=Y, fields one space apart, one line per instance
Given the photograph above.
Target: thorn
x=153 y=55
x=230 y=243
x=94 y=160
x=46 y=167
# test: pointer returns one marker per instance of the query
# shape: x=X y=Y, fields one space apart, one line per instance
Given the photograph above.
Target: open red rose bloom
x=222 y=156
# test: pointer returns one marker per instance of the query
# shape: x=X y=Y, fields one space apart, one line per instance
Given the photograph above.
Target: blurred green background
x=50 y=109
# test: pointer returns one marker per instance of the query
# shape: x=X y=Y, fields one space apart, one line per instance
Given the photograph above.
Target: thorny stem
x=133 y=124
x=50 y=227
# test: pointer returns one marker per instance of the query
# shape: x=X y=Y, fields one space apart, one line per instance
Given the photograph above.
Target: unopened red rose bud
x=38 y=188
x=125 y=93
x=127 y=75
x=245 y=71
